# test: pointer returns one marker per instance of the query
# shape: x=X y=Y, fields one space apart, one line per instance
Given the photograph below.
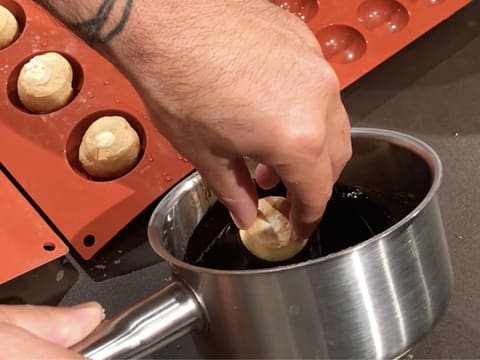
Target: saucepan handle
x=163 y=317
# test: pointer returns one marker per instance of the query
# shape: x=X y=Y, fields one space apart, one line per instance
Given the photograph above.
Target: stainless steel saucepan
x=373 y=300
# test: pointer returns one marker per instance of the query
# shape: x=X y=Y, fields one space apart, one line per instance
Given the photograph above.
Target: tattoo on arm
x=93 y=29
x=109 y=20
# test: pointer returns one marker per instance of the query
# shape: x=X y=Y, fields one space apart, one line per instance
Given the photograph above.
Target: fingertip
x=266 y=177
x=63 y=326
x=302 y=230
x=245 y=220
x=83 y=320
x=91 y=309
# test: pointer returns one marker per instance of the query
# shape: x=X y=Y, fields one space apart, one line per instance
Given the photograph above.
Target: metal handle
x=152 y=323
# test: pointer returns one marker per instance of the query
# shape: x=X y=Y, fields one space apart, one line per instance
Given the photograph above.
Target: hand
x=228 y=79
x=245 y=78
x=42 y=332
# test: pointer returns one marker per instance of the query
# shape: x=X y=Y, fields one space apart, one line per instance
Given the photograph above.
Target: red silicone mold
x=27 y=241
x=357 y=35
x=41 y=151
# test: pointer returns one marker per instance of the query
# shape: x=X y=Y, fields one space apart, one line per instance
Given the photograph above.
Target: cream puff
x=45 y=83
x=271 y=237
x=110 y=148
x=8 y=27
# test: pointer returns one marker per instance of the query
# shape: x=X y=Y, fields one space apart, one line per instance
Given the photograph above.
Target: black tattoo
x=92 y=29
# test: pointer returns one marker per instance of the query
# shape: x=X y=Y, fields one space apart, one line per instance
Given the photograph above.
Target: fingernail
x=236 y=221
x=86 y=305
x=91 y=305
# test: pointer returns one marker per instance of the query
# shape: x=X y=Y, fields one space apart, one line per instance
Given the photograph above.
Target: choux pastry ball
x=45 y=83
x=109 y=148
x=8 y=27
x=271 y=237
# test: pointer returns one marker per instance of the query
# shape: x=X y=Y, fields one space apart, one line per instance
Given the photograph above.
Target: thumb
x=63 y=326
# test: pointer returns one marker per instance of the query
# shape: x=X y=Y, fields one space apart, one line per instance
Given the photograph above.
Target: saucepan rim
x=409 y=142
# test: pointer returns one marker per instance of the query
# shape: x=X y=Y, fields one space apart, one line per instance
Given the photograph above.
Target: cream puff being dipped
x=271 y=237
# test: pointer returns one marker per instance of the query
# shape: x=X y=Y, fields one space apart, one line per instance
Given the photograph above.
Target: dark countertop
x=431 y=90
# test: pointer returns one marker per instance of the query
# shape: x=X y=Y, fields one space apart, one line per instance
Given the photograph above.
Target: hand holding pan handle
x=158 y=320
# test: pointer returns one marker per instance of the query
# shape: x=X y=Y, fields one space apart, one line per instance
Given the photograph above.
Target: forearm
x=104 y=24
x=186 y=54
x=144 y=34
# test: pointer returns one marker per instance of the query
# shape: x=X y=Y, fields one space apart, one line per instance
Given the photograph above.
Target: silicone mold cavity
x=19 y=15
x=385 y=16
x=75 y=138
x=12 y=81
x=341 y=43
x=303 y=9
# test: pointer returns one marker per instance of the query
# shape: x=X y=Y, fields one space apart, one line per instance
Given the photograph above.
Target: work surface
x=430 y=90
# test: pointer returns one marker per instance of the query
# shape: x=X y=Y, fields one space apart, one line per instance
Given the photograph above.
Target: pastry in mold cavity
x=8 y=27
x=271 y=237
x=109 y=148
x=45 y=83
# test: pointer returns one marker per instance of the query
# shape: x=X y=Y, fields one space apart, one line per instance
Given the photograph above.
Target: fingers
x=317 y=157
x=320 y=156
x=339 y=138
x=310 y=192
x=63 y=326
x=230 y=180
x=309 y=185
x=266 y=177
x=17 y=343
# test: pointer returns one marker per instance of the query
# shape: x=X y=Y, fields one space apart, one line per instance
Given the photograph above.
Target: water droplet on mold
x=60 y=275
x=116 y=261
x=90 y=94
x=106 y=82
x=182 y=158
x=459 y=236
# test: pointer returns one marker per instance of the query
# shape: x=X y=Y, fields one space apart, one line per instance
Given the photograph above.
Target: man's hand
x=244 y=78
x=42 y=332
x=228 y=79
